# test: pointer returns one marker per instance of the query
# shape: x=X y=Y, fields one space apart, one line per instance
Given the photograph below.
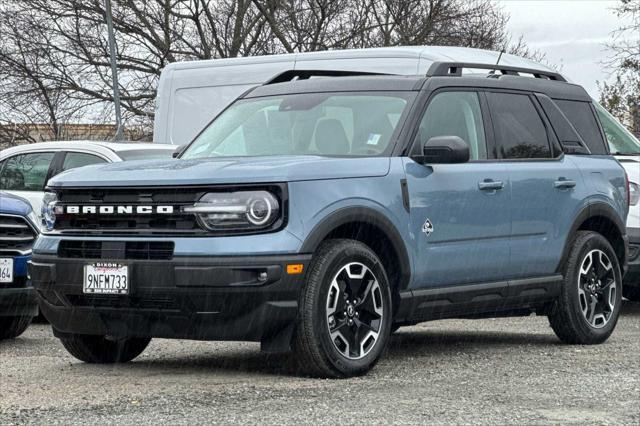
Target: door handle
x=564 y=183
x=490 y=185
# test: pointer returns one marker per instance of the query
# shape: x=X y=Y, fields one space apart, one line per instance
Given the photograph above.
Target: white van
x=190 y=94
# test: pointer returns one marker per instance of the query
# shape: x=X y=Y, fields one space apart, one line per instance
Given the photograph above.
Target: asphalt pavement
x=498 y=371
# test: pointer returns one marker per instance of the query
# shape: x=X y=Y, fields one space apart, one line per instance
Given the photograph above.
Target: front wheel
x=591 y=295
x=12 y=327
x=344 y=317
x=101 y=350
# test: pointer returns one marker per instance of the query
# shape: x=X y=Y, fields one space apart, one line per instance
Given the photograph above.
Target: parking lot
x=501 y=371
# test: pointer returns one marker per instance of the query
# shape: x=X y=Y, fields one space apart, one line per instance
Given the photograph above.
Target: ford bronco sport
x=320 y=214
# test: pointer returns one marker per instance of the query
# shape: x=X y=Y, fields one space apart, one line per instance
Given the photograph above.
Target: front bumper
x=201 y=298
x=18 y=298
x=632 y=278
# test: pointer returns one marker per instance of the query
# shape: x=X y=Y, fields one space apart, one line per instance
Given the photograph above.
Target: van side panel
x=189 y=98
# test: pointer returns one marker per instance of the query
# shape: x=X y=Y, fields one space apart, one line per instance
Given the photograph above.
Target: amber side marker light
x=295 y=269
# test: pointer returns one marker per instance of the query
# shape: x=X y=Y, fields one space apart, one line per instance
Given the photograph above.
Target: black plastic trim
x=361 y=215
x=589 y=211
x=477 y=299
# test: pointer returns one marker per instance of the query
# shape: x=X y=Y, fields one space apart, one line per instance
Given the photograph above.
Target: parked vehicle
x=18 y=232
x=190 y=93
x=318 y=214
x=626 y=149
x=25 y=169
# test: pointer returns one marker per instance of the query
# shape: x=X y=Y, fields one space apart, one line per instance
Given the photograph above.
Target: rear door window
x=519 y=129
x=74 y=160
x=581 y=116
x=26 y=172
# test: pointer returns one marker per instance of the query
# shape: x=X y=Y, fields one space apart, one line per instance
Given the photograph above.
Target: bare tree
x=58 y=48
x=622 y=96
x=30 y=94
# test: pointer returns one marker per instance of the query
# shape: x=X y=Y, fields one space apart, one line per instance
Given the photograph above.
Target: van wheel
x=12 y=327
x=344 y=317
x=100 y=350
x=591 y=295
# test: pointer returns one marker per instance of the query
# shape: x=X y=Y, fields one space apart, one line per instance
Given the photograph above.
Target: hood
x=11 y=204
x=231 y=170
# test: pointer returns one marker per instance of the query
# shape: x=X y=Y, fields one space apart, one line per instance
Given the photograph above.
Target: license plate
x=106 y=278
x=6 y=270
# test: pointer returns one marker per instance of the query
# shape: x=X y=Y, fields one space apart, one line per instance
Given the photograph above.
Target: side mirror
x=179 y=150
x=574 y=148
x=444 y=150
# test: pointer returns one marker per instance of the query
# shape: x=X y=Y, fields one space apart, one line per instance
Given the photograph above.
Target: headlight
x=634 y=193
x=49 y=210
x=236 y=211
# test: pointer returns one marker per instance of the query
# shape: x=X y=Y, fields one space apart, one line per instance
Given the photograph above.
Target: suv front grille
x=151 y=223
x=16 y=234
x=134 y=250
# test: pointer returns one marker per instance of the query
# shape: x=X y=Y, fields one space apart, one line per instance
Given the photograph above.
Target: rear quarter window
x=581 y=116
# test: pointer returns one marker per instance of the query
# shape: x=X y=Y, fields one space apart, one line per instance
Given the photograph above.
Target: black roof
x=552 y=88
x=381 y=82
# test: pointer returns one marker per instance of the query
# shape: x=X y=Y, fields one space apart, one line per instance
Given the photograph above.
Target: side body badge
x=427 y=227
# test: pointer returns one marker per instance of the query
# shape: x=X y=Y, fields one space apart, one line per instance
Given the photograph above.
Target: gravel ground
x=502 y=371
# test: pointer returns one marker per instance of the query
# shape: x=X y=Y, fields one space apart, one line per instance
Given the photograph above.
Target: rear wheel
x=12 y=327
x=589 y=304
x=100 y=350
x=344 y=311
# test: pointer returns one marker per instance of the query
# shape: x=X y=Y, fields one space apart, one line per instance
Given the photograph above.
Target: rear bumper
x=223 y=298
x=632 y=277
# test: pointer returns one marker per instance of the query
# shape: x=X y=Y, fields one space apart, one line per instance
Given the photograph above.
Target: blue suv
x=18 y=231
x=318 y=215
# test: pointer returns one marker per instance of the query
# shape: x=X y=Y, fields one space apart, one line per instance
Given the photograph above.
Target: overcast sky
x=572 y=33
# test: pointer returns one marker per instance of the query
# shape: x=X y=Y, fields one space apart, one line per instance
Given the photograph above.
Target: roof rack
x=454 y=69
x=292 y=75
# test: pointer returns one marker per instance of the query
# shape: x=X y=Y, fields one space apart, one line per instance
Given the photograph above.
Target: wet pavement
x=498 y=371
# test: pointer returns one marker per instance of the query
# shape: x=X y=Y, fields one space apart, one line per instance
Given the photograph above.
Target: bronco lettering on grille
x=118 y=209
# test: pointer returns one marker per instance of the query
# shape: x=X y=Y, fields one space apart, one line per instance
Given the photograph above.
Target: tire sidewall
x=338 y=259
x=593 y=242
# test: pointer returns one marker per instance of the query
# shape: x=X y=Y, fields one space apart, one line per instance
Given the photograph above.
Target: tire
x=100 y=350
x=588 y=307
x=631 y=293
x=326 y=303
x=12 y=327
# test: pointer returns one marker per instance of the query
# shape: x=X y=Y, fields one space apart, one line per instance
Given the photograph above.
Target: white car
x=626 y=149
x=25 y=169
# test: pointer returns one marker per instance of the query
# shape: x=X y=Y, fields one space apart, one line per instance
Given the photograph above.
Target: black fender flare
x=362 y=215
x=594 y=209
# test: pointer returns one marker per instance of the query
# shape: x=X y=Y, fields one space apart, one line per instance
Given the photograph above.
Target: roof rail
x=454 y=69
x=306 y=74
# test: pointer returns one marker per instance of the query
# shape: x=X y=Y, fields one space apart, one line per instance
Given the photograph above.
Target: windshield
x=343 y=124
x=145 y=154
x=621 y=141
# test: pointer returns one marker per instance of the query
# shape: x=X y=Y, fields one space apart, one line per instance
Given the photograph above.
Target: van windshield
x=341 y=124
